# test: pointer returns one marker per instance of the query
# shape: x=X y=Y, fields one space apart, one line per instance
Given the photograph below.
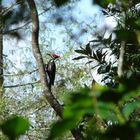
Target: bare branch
x=20 y=73
x=7 y=9
x=121 y=59
x=21 y=27
x=20 y=85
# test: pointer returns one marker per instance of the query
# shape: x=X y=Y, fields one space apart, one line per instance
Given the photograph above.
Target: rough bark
x=37 y=54
x=1 y=53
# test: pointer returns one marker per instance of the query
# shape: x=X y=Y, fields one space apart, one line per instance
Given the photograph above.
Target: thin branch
x=21 y=73
x=121 y=59
x=20 y=85
x=7 y=9
x=38 y=109
x=21 y=27
x=31 y=106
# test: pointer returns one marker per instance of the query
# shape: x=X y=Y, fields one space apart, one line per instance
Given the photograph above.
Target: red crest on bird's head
x=55 y=55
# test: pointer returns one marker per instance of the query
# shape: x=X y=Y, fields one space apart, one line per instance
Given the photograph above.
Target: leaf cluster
x=98 y=57
x=103 y=113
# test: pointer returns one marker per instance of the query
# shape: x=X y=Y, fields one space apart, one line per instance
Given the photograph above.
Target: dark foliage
x=106 y=112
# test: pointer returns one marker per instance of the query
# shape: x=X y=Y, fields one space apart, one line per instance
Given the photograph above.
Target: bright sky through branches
x=84 y=12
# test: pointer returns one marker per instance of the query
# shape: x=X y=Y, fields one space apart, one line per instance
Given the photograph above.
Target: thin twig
x=21 y=73
x=20 y=85
x=21 y=27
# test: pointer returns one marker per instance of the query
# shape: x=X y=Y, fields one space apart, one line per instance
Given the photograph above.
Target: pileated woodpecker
x=50 y=69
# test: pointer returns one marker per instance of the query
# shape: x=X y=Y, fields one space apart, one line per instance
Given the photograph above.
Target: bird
x=50 y=69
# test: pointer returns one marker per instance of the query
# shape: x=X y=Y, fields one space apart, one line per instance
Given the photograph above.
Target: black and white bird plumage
x=50 y=69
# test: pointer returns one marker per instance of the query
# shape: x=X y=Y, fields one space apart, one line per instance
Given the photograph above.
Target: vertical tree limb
x=1 y=52
x=121 y=59
x=37 y=54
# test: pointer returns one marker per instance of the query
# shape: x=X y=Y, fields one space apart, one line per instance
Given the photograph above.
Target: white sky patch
x=18 y=52
x=85 y=11
x=110 y=22
x=7 y=2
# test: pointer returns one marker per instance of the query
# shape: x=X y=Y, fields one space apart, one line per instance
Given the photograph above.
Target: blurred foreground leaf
x=14 y=127
x=129 y=108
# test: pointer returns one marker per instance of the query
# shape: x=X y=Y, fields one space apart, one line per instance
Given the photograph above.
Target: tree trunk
x=1 y=53
x=37 y=54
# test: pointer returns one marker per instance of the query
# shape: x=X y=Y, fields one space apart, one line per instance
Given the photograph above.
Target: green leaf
x=82 y=52
x=95 y=40
x=106 y=111
x=79 y=57
x=78 y=103
x=103 y=69
x=88 y=49
x=62 y=126
x=137 y=22
x=110 y=39
x=94 y=56
x=129 y=108
x=15 y=126
x=105 y=78
x=89 y=62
